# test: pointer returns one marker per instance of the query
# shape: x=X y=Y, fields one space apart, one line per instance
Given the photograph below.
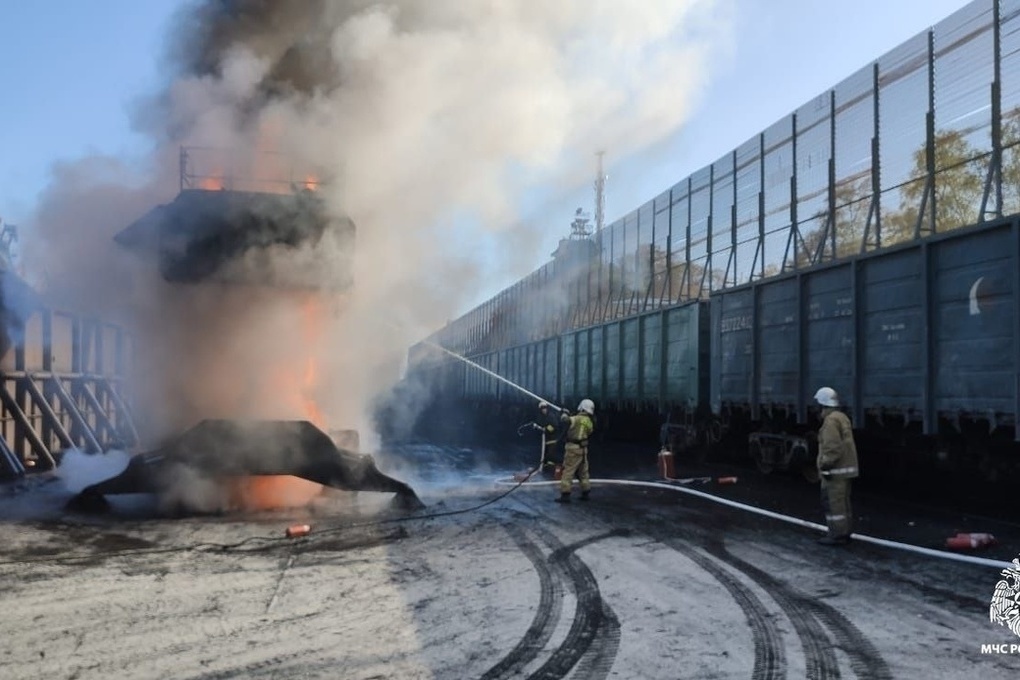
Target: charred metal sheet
x=228 y=236
x=220 y=450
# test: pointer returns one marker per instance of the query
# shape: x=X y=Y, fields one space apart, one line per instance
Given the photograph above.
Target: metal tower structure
x=600 y=194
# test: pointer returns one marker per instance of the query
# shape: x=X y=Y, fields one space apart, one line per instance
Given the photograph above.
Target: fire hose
x=493 y=374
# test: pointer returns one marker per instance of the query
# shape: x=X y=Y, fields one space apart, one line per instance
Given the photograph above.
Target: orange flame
x=270 y=492
x=296 y=389
x=311 y=326
x=213 y=182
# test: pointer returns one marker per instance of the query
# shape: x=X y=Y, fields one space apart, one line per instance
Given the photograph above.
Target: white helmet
x=542 y=405
x=587 y=406
x=826 y=396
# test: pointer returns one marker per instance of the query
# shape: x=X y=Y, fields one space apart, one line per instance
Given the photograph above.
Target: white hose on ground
x=941 y=554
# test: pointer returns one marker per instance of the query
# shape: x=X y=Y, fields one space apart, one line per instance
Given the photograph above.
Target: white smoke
x=427 y=122
x=78 y=469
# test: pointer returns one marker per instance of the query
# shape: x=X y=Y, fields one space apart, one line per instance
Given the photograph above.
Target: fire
x=260 y=168
x=213 y=181
x=295 y=384
x=311 y=328
x=270 y=492
x=293 y=375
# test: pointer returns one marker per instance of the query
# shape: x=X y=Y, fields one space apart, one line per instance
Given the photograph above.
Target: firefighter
x=575 y=458
x=550 y=426
x=837 y=467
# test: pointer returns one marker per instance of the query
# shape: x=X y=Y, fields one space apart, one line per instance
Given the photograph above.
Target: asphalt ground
x=495 y=580
x=880 y=514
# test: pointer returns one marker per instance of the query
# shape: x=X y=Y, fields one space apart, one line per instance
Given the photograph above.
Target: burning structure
x=226 y=454
x=242 y=237
x=261 y=441
x=237 y=313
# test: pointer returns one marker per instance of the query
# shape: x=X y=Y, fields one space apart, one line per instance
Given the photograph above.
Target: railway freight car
x=648 y=375
x=920 y=340
x=867 y=241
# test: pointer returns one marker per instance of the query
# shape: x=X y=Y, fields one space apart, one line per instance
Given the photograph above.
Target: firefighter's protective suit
x=837 y=466
x=575 y=459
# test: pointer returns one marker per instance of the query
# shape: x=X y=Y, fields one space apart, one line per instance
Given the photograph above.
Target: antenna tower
x=600 y=194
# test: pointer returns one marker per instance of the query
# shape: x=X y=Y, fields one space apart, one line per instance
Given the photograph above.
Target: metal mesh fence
x=924 y=140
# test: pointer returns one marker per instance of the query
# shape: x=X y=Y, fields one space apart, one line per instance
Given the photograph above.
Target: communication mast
x=600 y=194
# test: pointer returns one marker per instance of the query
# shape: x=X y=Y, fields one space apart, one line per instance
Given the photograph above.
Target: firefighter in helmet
x=549 y=423
x=837 y=467
x=575 y=458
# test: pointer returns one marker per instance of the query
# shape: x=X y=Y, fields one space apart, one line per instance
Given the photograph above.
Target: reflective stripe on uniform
x=840 y=471
x=835 y=518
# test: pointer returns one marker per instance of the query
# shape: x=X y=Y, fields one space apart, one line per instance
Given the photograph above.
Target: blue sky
x=70 y=72
x=786 y=52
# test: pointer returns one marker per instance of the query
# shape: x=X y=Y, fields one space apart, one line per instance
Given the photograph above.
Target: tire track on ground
x=865 y=659
x=810 y=618
x=592 y=614
x=769 y=647
x=819 y=659
x=599 y=662
x=593 y=642
x=550 y=602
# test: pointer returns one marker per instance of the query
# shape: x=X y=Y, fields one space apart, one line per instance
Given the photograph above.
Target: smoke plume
x=424 y=122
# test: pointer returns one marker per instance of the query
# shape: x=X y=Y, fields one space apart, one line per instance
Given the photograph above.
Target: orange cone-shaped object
x=298 y=530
